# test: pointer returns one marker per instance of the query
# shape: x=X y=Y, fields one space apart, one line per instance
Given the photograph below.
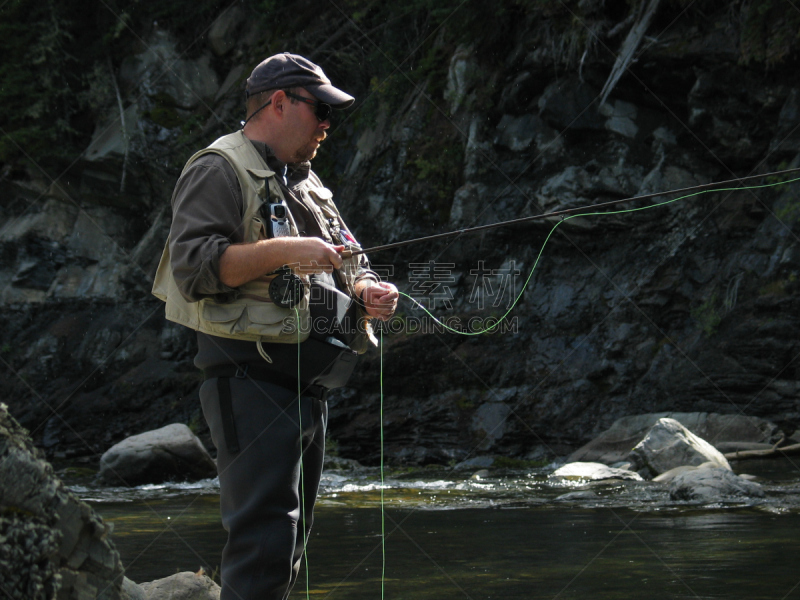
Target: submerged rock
x=572 y=496
x=593 y=472
x=170 y=453
x=710 y=484
x=182 y=586
x=668 y=445
x=668 y=476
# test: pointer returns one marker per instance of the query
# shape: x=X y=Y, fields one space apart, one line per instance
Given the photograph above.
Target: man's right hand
x=313 y=255
x=241 y=263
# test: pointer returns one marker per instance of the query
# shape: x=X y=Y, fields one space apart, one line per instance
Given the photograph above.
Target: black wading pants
x=260 y=485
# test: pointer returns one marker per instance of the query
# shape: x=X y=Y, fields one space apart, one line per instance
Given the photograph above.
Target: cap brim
x=330 y=95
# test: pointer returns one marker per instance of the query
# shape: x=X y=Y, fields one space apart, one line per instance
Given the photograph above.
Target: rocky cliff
x=463 y=119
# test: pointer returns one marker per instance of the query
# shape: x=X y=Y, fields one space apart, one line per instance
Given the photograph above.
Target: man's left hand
x=380 y=299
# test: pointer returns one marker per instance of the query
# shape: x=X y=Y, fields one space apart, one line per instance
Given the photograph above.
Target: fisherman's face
x=309 y=132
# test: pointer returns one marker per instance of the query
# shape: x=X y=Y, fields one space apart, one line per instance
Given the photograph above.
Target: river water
x=508 y=534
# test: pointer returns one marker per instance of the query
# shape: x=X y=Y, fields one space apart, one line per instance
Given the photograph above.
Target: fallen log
x=792 y=450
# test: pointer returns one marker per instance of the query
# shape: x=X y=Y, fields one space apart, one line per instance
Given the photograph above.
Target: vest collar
x=295 y=172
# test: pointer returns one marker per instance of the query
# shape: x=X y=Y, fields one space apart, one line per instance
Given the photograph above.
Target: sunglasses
x=321 y=110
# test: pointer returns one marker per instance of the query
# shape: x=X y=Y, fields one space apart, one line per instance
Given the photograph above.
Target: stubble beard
x=309 y=151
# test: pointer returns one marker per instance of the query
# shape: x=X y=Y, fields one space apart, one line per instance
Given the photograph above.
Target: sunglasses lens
x=323 y=111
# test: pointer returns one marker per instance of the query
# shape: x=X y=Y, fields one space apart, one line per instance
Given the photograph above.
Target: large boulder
x=721 y=431
x=712 y=484
x=668 y=445
x=182 y=586
x=52 y=544
x=172 y=453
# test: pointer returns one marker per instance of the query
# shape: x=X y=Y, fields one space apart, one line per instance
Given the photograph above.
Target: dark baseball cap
x=290 y=70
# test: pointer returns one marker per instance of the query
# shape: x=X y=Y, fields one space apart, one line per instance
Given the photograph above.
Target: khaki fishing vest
x=252 y=315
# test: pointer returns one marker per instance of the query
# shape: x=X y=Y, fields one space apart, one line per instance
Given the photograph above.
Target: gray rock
x=564 y=102
x=787 y=138
x=517 y=133
x=593 y=472
x=477 y=462
x=710 y=484
x=621 y=118
x=489 y=422
x=467 y=203
x=160 y=69
x=462 y=77
x=132 y=591
x=112 y=137
x=614 y=444
x=182 y=586
x=52 y=221
x=53 y=544
x=170 y=453
x=668 y=445
x=222 y=34
x=342 y=464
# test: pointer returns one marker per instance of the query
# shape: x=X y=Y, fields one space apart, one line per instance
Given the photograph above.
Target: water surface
x=507 y=535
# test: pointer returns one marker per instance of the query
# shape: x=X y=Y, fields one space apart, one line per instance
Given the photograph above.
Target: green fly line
x=567 y=218
x=383 y=513
x=511 y=308
x=469 y=333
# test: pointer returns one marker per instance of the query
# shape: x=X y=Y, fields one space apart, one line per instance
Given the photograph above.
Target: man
x=254 y=264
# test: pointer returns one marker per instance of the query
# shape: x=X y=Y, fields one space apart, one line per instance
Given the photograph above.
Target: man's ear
x=278 y=102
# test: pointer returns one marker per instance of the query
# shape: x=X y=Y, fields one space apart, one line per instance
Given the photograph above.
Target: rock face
x=182 y=586
x=712 y=484
x=690 y=306
x=668 y=445
x=724 y=432
x=170 y=453
x=53 y=545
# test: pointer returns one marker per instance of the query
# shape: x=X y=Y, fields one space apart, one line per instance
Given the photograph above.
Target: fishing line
x=710 y=187
x=517 y=299
x=302 y=475
x=383 y=512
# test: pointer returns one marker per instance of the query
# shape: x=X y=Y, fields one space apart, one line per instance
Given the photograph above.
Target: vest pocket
x=260 y=320
x=224 y=318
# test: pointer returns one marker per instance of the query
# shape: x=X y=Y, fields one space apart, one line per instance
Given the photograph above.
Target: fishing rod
x=561 y=213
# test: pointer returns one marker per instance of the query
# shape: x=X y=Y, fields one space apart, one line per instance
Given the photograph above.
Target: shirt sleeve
x=206 y=219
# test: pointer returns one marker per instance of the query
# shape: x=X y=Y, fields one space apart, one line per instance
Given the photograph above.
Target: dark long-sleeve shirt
x=208 y=208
